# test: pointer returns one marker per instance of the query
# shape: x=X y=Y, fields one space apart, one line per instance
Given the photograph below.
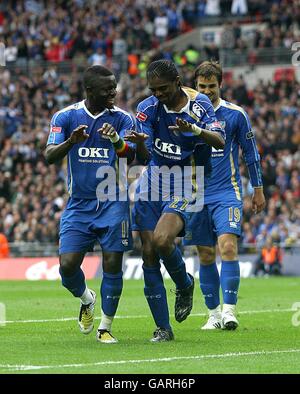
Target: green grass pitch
x=41 y=334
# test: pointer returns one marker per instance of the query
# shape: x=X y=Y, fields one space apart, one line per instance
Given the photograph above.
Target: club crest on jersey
x=197 y=110
x=215 y=125
x=55 y=129
x=141 y=116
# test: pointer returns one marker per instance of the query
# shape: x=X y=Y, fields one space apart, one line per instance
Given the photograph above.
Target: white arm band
x=114 y=139
x=196 y=130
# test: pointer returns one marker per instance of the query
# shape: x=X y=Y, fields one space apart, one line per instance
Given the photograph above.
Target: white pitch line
x=151 y=360
x=143 y=316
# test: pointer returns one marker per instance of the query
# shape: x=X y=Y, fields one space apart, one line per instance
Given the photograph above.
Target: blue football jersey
x=225 y=182
x=85 y=158
x=169 y=148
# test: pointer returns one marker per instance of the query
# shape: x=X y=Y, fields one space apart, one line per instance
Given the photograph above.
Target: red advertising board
x=37 y=268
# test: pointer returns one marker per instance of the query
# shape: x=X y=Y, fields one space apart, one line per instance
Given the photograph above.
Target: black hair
x=163 y=69
x=94 y=72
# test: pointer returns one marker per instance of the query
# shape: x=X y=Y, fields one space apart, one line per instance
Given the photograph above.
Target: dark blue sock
x=75 y=283
x=230 y=280
x=210 y=284
x=176 y=268
x=155 y=294
x=111 y=289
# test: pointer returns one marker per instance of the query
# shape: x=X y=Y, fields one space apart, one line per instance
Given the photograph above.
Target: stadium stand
x=47 y=46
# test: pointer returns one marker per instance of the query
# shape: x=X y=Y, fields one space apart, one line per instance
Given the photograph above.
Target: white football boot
x=214 y=319
x=229 y=321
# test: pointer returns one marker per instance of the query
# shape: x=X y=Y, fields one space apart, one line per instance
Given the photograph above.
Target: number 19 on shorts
x=234 y=215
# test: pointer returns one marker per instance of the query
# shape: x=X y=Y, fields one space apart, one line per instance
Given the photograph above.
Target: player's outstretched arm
x=54 y=153
x=139 y=139
x=121 y=147
x=212 y=138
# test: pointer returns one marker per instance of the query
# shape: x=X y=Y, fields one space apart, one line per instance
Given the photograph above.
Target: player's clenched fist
x=79 y=134
x=107 y=130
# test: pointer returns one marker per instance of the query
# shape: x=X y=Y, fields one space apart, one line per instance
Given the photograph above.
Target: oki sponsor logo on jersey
x=215 y=150
x=55 y=129
x=141 y=116
x=198 y=110
x=166 y=147
x=93 y=152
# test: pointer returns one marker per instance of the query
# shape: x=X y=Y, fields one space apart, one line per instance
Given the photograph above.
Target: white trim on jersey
x=235 y=107
x=145 y=109
x=185 y=109
x=255 y=150
x=71 y=176
x=118 y=109
x=90 y=114
x=221 y=104
x=75 y=106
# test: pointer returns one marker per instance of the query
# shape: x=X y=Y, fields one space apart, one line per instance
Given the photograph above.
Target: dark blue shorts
x=84 y=222
x=215 y=219
x=146 y=214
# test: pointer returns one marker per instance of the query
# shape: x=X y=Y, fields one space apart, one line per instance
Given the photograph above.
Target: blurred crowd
x=113 y=33
x=273 y=108
x=33 y=194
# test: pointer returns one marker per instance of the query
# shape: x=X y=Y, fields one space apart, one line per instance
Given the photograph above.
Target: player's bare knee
x=228 y=250
x=68 y=264
x=206 y=255
x=112 y=262
x=163 y=243
x=150 y=258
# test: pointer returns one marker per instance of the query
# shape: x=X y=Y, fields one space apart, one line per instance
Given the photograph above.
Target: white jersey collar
x=183 y=109
x=89 y=113
x=221 y=103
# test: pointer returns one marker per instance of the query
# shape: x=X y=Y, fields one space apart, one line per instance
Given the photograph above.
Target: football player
x=179 y=127
x=90 y=134
x=220 y=220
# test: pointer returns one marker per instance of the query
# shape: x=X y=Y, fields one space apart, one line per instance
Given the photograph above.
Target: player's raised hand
x=79 y=134
x=135 y=137
x=258 y=200
x=181 y=125
x=107 y=130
